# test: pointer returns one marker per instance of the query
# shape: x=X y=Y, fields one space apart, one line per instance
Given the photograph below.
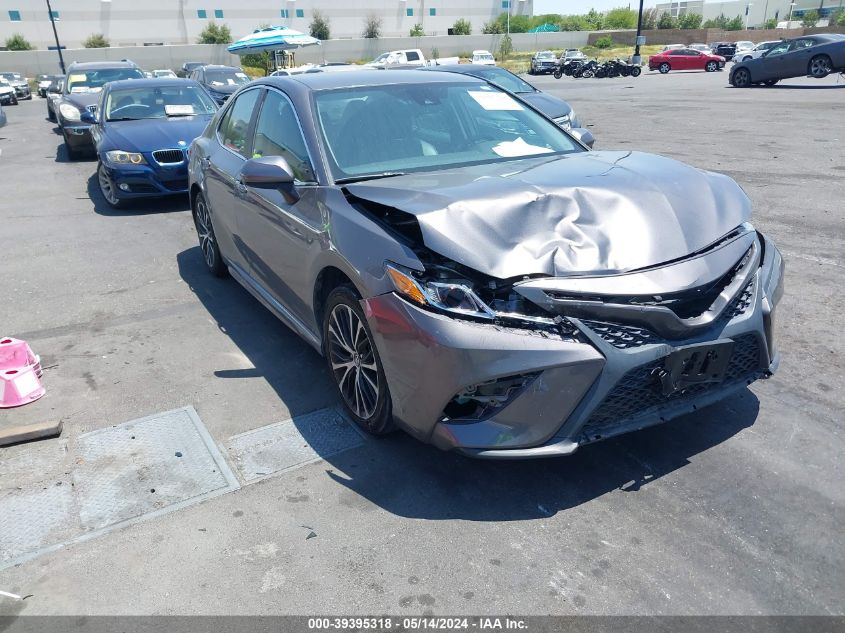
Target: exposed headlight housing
x=70 y=113
x=564 y=121
x=119 y=157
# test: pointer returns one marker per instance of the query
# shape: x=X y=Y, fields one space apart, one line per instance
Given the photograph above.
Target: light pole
x=56 y=35
x=748 y=5
x=791 y=6
x=508 y=29
x=636 y=58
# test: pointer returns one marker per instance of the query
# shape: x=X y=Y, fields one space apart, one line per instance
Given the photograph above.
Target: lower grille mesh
x=639 y=390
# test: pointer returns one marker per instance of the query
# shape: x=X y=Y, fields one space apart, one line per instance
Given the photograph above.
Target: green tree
x=771 y=23
x=546 y=18
x=690 y=21
x=594 y=19
x=720 y=22
x=840 y=20
x=214 y=34
x=96 y=40
x=505 y=47
x=257 y=60
x=810 y=19
x=492 y=27
x=319 y=26
x=650 y=18
x=18 y=42
x=372 y=27
x=620 y=18
x=604 y=42
x=667 y=21
x=417 y=30
x=462 y=27
x=735 y=24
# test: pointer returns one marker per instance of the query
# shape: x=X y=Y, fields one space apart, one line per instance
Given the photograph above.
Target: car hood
x=551 y=106
x=592 y=212
x=152 y=134
x=82 y=99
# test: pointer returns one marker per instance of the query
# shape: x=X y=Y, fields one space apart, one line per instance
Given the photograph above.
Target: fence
x=705 y=36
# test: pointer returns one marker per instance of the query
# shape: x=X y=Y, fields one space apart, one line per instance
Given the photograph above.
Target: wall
x=706 y=36
x=32 y=63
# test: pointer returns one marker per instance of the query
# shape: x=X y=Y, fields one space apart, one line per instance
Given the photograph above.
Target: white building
x=139 y=22
x=758 y=10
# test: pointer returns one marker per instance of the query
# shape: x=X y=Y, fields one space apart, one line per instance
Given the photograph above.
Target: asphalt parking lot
x=736 y=509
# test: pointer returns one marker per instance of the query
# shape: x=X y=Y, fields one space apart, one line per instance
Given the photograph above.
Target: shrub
x=666 y=21
x=735 y=24
x=620 y=18
x=505 y=47
x=594 y=19
x=491 y=28
x=810 y=19
x=650 y=18
x=96 y=40
x=604 y=42
x=690 y=21
x=417 y=31
x=840 y=21
x=257 y=61
x=435 y=53
x=319 y=26
x=462 y=27
x=372 y=27
x=214 y=34
x=18 y=42
x=771 y=23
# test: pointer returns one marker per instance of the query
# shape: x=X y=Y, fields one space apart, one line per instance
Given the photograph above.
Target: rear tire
x=664 y=68
x=354 y=363
x=820 y=67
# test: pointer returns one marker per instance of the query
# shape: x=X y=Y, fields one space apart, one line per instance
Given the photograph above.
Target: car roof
x=221 y=67
x=363 y=78
x=101 y=65
x=155 y=82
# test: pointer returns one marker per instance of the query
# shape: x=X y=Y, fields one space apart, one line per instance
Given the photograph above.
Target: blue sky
x=568 y=7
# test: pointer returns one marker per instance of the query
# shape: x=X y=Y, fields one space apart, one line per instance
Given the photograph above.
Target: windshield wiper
x=385 y=174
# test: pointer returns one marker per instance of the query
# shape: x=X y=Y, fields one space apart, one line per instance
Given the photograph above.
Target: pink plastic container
x=20 y=373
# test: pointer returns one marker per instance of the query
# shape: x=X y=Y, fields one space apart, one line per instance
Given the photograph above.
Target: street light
x=791 y=5
x=636 y=60
x=56 y=35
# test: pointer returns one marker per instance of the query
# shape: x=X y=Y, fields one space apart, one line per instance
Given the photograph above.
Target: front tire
x=820 y=67
x=636 y=71
x=711 y=67
x=354 y=362
x=107 y=187
x=557 y=74
x=664 y=68
x=207 y=239
x=741 y=78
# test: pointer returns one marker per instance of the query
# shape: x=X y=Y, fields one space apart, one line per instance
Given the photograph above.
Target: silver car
x=472 y=272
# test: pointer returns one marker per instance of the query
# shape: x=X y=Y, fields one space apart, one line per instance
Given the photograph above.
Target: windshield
x=374 y=130
x=502 y=78
x=93 y=80
x=225 y=77
x=157 y=103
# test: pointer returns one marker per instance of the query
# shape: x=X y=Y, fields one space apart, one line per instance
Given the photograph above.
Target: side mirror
x=584 y=135
x=269 y=172
x=88 y=117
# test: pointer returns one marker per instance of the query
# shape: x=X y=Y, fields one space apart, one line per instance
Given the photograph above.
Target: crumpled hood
x=591 y=212
x=152 y=134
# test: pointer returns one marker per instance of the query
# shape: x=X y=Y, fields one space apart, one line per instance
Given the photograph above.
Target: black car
x=189 y=67
x=81 y=93
x=816 y=56
x=53 y=94
x=724 y=49
x=556 y=109
x=220 y=81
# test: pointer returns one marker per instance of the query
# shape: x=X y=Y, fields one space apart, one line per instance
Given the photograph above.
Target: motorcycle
x=586 y=70
x=567 y=68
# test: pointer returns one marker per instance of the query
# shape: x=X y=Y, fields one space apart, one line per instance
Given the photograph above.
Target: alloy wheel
x=664 y=68
x=205 y=233
x=742 y=78
x=107 y=186
x=711 y=67
x=353 y=361
x=820 y=67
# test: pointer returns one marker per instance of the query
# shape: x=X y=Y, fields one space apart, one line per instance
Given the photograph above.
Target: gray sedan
x=473 y=273
x=813 y=55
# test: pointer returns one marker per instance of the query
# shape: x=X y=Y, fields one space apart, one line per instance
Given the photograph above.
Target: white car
x=483 y=58
x=7 y=93
x=744 y=45
x=163 y=72
x=755 y=52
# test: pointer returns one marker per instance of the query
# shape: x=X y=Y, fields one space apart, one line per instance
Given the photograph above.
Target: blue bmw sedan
x=142 y=131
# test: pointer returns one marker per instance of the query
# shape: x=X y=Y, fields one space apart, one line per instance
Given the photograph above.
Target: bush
x=257 y=61
x=604 y=42
x=18 y=42
x=735 y=24
x=319 y=26
x=417 y=31
x=620 y=18
x=573 y=23
x=213 y=34
x=840 y=21
x=96 y=40
x=810 y=19
x=492 y=28
x=505 y=47
x=666 y=21
x=435 y=53
x=462 y=27
x=690 y=21
x=372 y=27
x=771 y=23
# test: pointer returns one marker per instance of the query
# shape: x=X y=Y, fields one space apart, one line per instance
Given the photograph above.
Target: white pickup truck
x=409 y=58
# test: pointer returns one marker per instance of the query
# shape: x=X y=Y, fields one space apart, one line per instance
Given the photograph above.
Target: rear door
x=229 y=150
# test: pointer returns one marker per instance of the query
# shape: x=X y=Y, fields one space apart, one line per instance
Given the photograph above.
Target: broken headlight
x=450 y=297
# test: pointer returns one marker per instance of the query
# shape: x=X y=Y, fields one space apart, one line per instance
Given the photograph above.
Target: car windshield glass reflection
x=503 y=79
x=94 y=80
x=225 y=78
x=370 y=131
x=157 y=103
x=780 y=49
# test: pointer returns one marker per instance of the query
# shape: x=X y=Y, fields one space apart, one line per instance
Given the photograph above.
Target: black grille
x=741 y=302
x=623 y=336
x=639 y=389
x=169 y=156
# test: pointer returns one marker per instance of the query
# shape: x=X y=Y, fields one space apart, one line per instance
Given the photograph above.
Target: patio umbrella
x=273 y=38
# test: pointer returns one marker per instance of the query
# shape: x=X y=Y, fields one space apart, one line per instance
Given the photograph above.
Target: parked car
x=724 y=49
x=553 y=107
x=142 y=132
x=8 y=94
x=703 y=48
x=685 y=59
x=42 y=82
x=543 y=62
x=19 y=83
x=814 y=55
x=220 y=81
x=474 y=274
x=483 y=58
x=289 y=72
x=410 y=57
x=80 y=94
x=54 y=94
x=743 y=45
x=755 y=52
x=189 y=67
x=163 y=73
x=572 y=54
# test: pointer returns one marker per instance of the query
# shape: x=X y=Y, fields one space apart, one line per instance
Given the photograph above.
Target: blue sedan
x=142 y=132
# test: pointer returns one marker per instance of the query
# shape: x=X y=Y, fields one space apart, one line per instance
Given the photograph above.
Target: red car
x=685 y=59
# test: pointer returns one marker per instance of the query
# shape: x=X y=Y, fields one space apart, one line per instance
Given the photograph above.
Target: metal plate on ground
x=119 y=475
x=303 y=439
